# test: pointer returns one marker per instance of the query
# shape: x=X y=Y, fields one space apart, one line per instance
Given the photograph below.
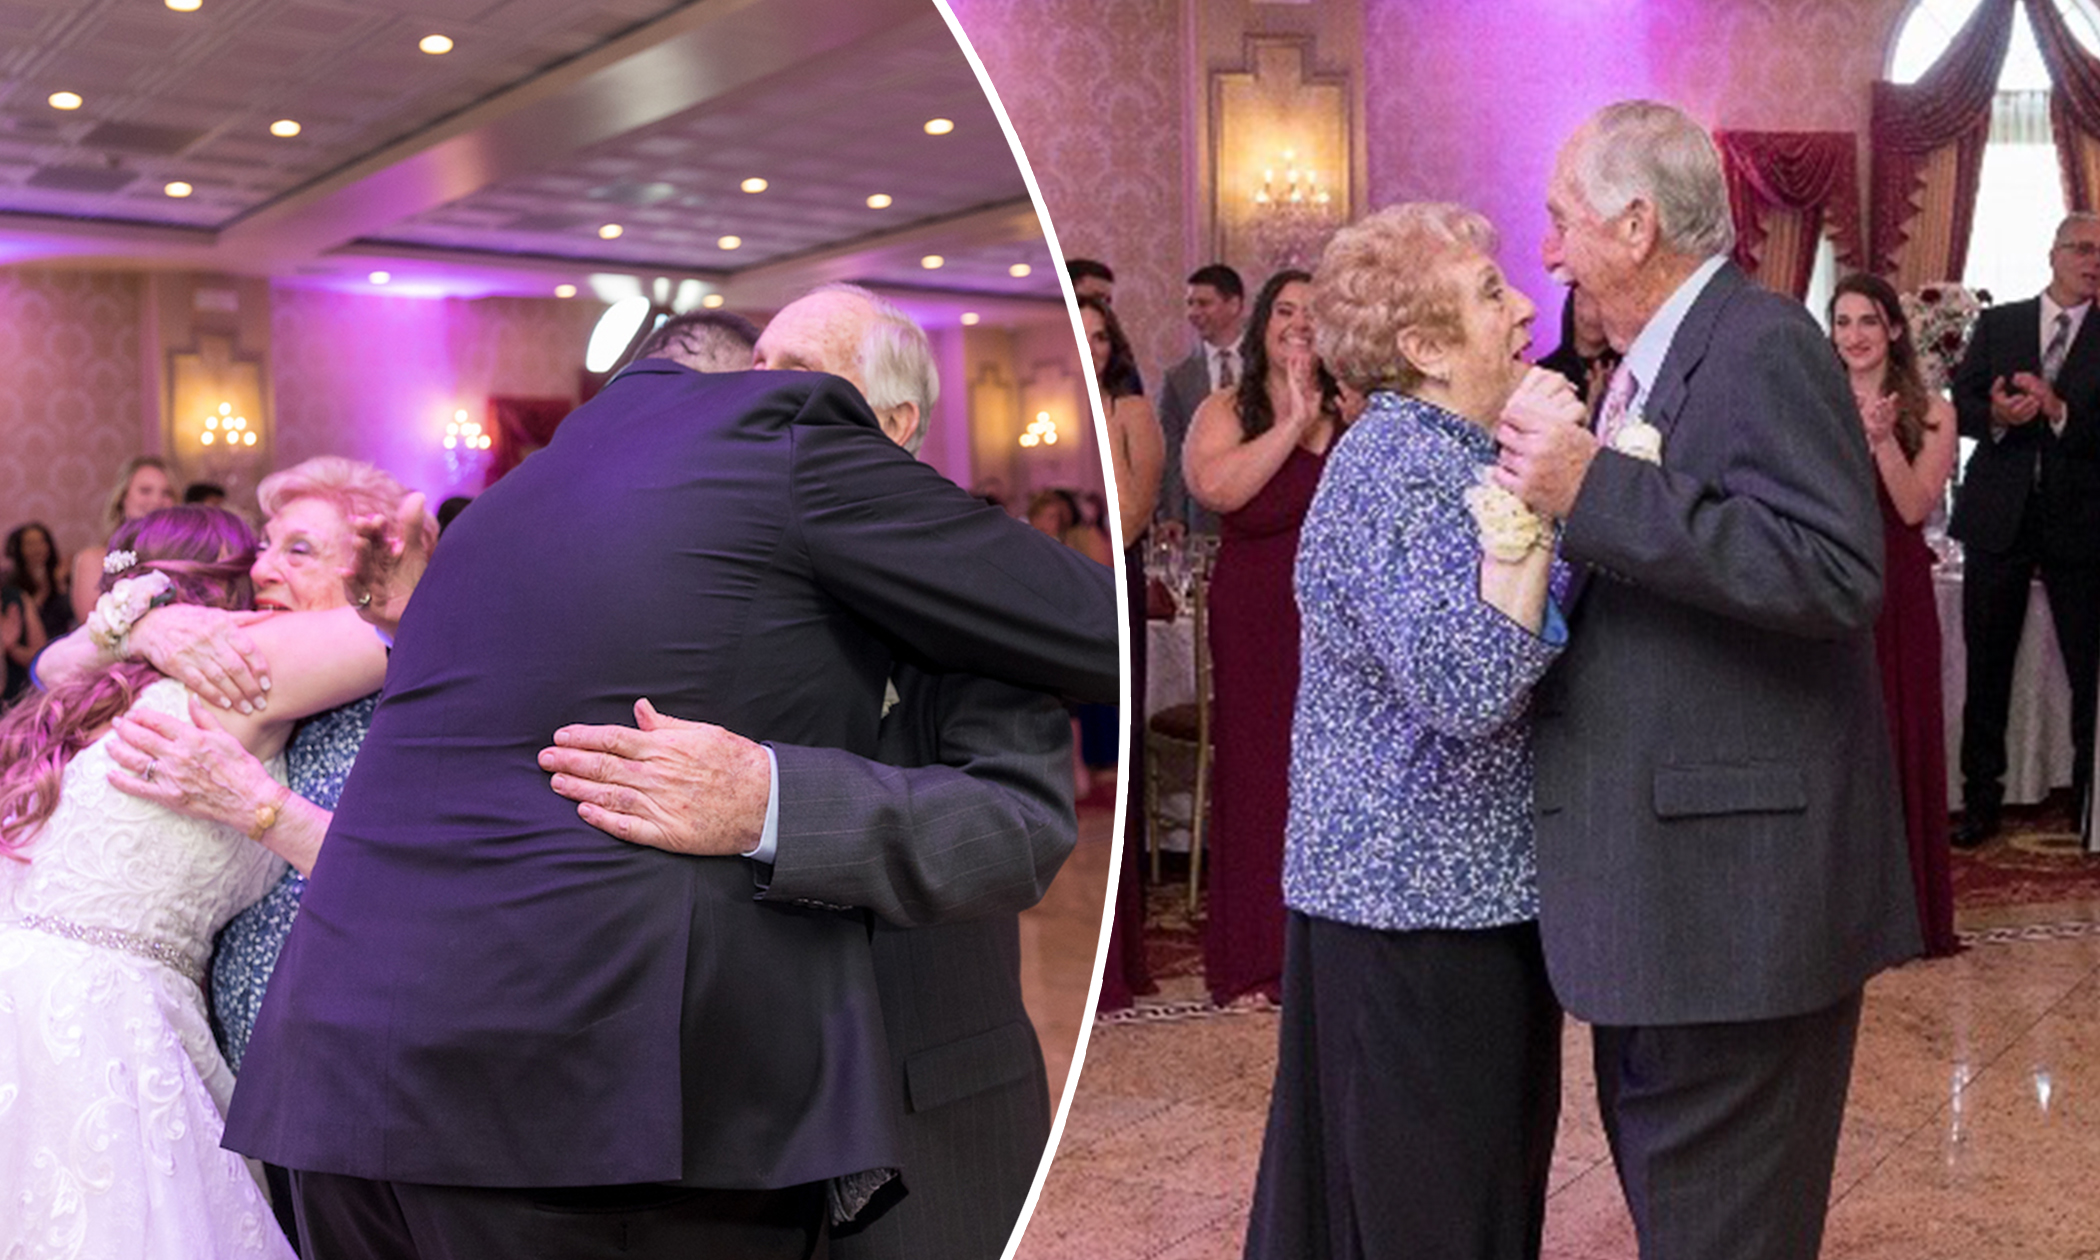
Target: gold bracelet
x=266 y=815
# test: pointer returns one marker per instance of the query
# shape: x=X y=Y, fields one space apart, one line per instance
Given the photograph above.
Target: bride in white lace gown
x=112 y=1093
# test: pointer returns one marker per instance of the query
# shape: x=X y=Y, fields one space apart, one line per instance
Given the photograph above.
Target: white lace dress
x=112 y=1095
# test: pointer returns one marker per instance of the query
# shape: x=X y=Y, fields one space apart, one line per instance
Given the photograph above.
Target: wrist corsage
x=1508 y=530
x=122 y=605
x=1639 y=439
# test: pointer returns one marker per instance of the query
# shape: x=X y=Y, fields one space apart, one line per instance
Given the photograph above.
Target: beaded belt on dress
x=111 y=938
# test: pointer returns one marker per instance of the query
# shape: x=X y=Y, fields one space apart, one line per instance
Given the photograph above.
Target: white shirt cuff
x=769 y=839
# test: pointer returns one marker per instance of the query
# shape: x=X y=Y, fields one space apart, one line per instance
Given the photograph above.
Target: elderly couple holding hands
x=1590 y=720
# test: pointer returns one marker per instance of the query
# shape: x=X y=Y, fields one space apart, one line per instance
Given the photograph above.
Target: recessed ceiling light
x=754 y=184
x=713 y=300
x=729 y=242
x=177 y=188
x=932 y=261
x=1019 y=270
x=435 y=45
x=880 y=201
x=379 y=277
x=65 y=100
x=185 y=6
x=611 y=231
x=969 y=317
x=284 y=127
x=939 y=126
x=565 y=290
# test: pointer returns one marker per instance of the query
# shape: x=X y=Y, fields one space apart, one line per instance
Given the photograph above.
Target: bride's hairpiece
x=118 y=561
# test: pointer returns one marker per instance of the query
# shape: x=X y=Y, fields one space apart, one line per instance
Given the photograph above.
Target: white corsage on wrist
x=122 y=605
x=1508 y=530
x=1640 y=440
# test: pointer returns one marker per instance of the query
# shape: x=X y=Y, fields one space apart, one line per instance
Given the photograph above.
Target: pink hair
x=206 y=552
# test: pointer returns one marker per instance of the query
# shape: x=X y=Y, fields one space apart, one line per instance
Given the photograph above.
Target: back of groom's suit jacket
x=483 y=990
x=1999 y=485
x=1720 y=837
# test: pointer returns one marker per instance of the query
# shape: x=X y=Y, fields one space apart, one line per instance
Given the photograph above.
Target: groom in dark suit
x=961 y=823
x=497 y=1031
x=1721 y=854
x=2028 y=393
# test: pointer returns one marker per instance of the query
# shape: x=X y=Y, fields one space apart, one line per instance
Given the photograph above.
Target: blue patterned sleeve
x=1462 y=666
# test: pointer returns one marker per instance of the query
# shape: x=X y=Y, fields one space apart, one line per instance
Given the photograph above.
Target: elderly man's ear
x=900 y=422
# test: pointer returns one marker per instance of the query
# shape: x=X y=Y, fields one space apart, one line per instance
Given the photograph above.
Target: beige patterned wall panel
x=70 y=391
x=1096 y=90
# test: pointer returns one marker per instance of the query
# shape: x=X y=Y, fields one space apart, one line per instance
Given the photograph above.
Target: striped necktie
x=2059 y=346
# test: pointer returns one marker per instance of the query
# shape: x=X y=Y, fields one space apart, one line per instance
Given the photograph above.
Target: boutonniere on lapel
x=1508 y=530
x=1639 y=439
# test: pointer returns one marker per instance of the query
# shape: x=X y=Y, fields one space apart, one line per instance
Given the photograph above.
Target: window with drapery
x=2019 y=192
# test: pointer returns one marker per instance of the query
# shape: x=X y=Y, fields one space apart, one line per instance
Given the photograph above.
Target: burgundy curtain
x=1950 y=105
x=1814 y=173
x=518 y=427
x=2074 y=105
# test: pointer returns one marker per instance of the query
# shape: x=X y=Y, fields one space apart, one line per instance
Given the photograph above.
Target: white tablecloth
x=2038 y=729
x=1170 y=663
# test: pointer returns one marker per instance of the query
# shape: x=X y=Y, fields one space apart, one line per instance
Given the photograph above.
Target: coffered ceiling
x=556 y=142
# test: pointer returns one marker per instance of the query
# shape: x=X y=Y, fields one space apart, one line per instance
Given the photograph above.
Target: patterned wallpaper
x=70 y=396
x=1535 y=68
x=1095 y=89
x=377 y=377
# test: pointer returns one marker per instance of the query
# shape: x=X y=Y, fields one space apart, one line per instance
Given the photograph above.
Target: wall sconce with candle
x=464 y=443
x=1041 y=431
x=224 y=429
x=1292 y=217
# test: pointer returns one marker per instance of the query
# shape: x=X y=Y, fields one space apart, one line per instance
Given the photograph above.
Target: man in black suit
x=961 y=822
x=2028 y=393
x=485 y=997
x=1720 y=844
x=1216 y=301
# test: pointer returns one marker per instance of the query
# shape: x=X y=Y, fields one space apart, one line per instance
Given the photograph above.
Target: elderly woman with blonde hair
x=309 y=541
x=1417 y=1084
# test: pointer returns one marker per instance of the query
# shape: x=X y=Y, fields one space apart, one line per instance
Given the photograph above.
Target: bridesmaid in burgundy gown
x=1254 y=455
x=1136 y=452
x=1911 y=433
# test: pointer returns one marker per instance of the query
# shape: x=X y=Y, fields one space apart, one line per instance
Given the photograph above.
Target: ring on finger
x=150 y=764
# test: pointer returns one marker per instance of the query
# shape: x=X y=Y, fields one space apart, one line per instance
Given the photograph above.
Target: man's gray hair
x=705 y=341
x=896 y=360
x=1647 y=150
x=2072 y=220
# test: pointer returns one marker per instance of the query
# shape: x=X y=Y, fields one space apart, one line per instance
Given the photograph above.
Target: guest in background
x=1051 y=512
x=142 y=488
x=1418 y=1076
x=2027 y=393
x=1254 y=456
x=204 y=494
x=1912 y=436
x=1087 y=535
x=1216 y=299
x=32 y=562
x=1135 y=453
x=21 y=638
x=1092 y=279
x=1584 y=356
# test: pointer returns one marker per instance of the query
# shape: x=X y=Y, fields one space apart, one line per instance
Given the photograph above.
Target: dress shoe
x=1974 y=832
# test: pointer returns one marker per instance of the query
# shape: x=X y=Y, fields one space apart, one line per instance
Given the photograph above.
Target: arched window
x=2020 y=198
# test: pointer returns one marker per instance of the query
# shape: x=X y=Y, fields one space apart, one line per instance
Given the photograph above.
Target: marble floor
x=1973 y=1130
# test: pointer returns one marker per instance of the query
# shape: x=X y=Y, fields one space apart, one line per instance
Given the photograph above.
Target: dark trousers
x=1993 y=614
x=1417 y=1093
x=1725 y=1135
x=351 y=1218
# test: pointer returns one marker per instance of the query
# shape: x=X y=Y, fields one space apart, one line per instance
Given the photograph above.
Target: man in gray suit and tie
x=1721 y=855
x=962 y=823
x=1216 y=300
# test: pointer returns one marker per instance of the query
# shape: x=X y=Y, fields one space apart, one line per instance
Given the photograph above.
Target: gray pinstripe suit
x=960 y=826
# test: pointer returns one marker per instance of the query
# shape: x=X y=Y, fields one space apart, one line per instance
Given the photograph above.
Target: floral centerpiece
x=1941 y=317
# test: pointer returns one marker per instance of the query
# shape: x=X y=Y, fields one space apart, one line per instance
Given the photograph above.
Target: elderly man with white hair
x=1720 y=844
